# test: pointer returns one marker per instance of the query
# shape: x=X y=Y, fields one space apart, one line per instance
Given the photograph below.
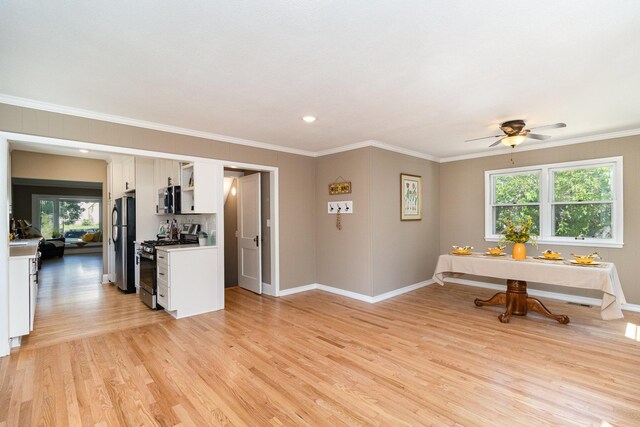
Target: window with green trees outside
x=577 y=203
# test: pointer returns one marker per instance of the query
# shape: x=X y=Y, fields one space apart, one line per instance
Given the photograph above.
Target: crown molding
x=545 y=145
x=54 y=108
x=87 y=114
x=377 y=144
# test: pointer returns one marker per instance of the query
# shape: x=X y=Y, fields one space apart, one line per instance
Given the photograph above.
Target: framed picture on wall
x=410 y=197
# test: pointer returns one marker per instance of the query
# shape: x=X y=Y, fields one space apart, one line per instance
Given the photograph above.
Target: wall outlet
x=344 y=207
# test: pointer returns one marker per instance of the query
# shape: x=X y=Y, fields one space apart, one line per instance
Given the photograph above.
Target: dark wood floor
x=429 y=357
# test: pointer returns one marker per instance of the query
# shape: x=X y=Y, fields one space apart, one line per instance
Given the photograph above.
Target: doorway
x=247 y=229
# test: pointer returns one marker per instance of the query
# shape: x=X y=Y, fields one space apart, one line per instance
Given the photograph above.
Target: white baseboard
x=355 y=295
x=372 y=300
x=15 y=342
x=291 y=291
x=342 y=292
x=268 y=289
x=577 y=299
x=631 y=307
x=401 y=291
x=105 y=278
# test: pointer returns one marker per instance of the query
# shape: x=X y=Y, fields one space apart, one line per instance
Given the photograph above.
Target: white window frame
x=546 y=202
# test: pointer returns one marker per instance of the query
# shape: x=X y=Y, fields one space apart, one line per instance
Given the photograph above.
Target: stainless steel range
x=148 y=254
x=148 y=280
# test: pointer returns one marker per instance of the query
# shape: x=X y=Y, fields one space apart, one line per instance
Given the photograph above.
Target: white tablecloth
x=603 y=277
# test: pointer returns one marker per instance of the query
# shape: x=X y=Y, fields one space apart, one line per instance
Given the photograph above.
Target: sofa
x=52 y=248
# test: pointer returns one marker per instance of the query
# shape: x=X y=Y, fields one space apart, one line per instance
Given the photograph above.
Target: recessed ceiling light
x=309 y=119
x=82 y=150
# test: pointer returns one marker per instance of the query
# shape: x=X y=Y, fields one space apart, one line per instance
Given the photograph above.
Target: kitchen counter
x=185 y=247
x=27 y=248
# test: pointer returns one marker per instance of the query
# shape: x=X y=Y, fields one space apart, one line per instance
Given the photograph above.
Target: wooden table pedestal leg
x=517 y=302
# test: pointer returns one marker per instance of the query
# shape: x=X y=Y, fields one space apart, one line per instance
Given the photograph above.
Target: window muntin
x=577 y=203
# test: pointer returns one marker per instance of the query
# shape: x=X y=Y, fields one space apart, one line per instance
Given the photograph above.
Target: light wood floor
x=73 y=303
x=427 y=357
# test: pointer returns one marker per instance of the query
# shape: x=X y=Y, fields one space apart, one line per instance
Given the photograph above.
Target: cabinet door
x=174 y=172
x=129 y=174
x=204 y=187
x=33 y=293
x=118 y=179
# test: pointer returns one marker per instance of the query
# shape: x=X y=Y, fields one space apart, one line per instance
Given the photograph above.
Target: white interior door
x=249 y=235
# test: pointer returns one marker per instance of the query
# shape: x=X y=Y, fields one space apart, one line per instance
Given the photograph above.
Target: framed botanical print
x=410 y=197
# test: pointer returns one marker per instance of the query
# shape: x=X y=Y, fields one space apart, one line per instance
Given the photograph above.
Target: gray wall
x=462 y=204
x=297 y=173
x=376 y=252
x=344 y=256
x=403 y=252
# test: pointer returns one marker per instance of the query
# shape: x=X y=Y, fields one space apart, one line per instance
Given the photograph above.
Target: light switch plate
x=344 y=207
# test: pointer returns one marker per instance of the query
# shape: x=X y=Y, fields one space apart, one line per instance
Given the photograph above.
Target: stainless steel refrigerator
x=123 y=221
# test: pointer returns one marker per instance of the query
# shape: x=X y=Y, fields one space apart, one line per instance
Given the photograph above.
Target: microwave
x=169 y=200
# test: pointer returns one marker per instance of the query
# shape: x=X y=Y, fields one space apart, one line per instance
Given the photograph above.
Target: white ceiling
x=421 y=75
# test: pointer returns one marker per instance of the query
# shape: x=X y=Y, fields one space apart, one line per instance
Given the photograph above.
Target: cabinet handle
x=160 y=257
x=162 y=296
x=126 y=185
x=162 y=274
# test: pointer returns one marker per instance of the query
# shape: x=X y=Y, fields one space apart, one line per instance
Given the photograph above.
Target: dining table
x=601 y=276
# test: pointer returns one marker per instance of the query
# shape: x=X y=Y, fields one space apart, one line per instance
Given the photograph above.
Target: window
x=575 y=203
x=67 y=216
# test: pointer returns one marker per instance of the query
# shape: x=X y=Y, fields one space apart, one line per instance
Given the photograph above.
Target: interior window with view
x=72 y=219
x=576 y=203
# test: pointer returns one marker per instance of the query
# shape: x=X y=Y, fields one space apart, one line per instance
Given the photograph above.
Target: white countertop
x=187 y=247
x=27 y=248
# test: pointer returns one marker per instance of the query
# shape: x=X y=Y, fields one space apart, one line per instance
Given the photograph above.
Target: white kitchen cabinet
x=166 y=173
x=198 y=187
x=117 y=179
x=123 y=176
x=23 y=288
x=129 y=174
x=188 y=282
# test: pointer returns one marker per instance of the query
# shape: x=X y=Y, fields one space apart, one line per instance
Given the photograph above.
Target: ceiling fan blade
x=554 y=126
x=484 y=137
x=538 y=136
x=496 y=143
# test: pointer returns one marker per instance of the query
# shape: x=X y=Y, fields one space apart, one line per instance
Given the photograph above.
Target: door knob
x=255 y=239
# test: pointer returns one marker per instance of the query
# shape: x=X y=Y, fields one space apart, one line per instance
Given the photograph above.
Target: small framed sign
x=340 y=188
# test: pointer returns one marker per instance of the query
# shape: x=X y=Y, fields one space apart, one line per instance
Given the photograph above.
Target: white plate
x=489 y=254
x=549 y=259
x=574 y=262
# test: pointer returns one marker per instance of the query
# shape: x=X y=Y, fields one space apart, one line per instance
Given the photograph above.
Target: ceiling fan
x=515 y=133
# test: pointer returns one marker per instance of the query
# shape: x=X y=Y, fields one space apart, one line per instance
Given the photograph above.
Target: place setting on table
x=550 y=267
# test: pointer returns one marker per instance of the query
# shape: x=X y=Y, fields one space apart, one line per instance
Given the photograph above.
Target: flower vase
x=519 y=251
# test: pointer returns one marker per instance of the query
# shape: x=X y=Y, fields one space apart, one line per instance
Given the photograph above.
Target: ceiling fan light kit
x=512 y=141
x=515 y=133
